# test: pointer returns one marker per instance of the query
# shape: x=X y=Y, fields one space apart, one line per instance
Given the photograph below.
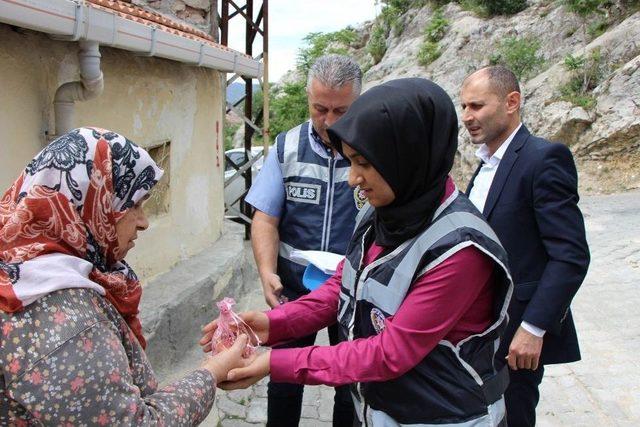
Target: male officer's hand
x=272 y=288
x=524 y=350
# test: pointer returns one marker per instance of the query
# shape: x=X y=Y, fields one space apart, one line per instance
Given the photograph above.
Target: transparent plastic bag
x=230 y=326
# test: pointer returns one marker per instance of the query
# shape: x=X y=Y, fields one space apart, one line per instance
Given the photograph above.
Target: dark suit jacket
x=532 y=206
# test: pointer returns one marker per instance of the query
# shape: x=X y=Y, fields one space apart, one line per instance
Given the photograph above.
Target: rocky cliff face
x=604 y=136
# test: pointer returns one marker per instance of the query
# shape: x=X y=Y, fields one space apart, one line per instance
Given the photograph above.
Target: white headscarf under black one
x=408 y=130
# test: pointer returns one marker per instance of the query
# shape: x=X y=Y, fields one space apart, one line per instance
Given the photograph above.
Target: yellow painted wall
x=146 y=99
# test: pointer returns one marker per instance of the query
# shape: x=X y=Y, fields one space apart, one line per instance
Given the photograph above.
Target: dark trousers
x=522 y=396
x=285 y=399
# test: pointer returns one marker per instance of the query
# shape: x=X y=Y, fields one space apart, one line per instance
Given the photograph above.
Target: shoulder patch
x=377 y=320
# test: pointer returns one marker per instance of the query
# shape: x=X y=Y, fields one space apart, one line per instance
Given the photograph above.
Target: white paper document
x=325 y=261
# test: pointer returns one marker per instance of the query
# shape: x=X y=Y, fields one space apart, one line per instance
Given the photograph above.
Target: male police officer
x=303 y=201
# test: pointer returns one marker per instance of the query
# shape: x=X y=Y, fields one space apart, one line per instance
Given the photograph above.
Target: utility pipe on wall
x=90 y=86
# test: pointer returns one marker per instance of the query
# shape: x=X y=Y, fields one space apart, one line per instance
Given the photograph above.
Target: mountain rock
x=604 y=139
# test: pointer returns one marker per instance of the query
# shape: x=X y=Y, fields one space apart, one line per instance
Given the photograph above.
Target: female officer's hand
x=256 y=320
x=221 y=363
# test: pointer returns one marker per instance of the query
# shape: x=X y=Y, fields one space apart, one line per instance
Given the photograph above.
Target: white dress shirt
x=480 y=191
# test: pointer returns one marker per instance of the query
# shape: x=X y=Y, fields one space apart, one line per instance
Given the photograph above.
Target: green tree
x=288 y=104
x=318 y=44
x=288 y=107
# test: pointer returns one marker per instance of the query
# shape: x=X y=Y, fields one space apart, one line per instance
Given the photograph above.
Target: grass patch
x=429 y=52
x=474 y=7
x=597 y=28
x=569 y=93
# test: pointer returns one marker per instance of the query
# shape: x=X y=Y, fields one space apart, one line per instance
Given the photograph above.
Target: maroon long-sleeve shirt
x=451 y=301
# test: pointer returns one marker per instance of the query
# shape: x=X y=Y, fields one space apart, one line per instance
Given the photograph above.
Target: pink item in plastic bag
x=230 y=326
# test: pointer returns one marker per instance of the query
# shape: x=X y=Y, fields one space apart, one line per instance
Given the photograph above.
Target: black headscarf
x=408 y=130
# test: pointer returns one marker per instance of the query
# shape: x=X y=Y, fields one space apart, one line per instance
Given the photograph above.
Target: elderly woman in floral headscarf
x=71 y=342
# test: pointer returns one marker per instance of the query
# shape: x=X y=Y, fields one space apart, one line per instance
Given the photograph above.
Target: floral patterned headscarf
x=58 y=221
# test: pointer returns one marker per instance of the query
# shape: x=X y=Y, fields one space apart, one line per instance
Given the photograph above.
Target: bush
x=429 y=52
x=377 y=45
x=493 y=7
x=434 y=32
x=583 y=8
x=597 y=28
x=503 y=7
x=587 y=72
x=571 y=92
x=390 y=19
x=437 y=27
x=397 y=8
x=520 y=55
x=574 y=63
x=473 y=6
x=392 y=11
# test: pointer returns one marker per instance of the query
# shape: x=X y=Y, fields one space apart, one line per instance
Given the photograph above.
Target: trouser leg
x=522 y=396
x=343 y=411
x=284 y=400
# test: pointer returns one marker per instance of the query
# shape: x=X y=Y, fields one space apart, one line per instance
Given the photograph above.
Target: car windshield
x=236 y=157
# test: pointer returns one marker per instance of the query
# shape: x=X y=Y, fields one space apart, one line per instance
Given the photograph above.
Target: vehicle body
x=236 y=189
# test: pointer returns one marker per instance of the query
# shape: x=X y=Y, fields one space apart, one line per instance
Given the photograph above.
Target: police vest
x=320 y=207
x=454 y=384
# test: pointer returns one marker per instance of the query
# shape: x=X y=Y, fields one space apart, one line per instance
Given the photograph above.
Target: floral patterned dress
x=70 y=359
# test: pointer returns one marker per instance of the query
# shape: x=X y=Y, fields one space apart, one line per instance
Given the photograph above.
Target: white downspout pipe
x=90 y=86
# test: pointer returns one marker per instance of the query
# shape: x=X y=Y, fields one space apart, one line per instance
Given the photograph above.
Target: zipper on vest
x=355 y=284
x=328 y=206
x=332 y=179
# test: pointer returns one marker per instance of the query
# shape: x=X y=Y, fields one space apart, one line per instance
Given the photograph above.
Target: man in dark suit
x=526 y=187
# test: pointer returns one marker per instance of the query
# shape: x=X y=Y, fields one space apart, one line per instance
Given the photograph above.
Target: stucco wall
x=146 y=99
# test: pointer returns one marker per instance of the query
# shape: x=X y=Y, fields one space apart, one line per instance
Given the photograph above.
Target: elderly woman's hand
x=221 y=363
x=244 y=377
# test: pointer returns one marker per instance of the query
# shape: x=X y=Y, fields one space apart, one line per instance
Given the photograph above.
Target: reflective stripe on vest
x=291 y=167
x=389 y=297
x=495 y=415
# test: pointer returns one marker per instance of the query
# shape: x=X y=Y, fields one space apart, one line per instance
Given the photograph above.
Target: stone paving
x=601 y=390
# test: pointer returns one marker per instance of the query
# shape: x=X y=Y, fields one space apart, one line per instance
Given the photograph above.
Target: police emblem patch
x=377 y=320
x=359 y=198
